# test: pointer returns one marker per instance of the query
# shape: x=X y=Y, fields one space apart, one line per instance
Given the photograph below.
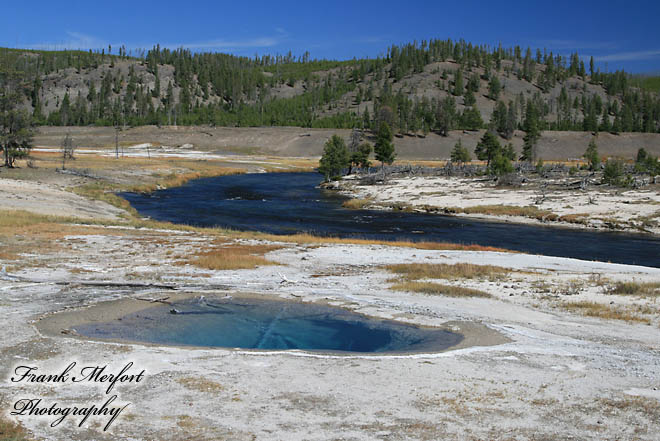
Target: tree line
x=226 y=90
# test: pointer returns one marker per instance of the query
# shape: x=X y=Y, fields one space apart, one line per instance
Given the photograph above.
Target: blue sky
x=618 y=34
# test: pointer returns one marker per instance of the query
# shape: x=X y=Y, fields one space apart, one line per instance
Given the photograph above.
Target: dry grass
x=430 y=288
x=231 y=257
x=305 y=238
x=593 y=309
x=356 y=204
x=12 y=220
x=510 y=210
x=401 y=206
x=641 y=405
x=105 y=192
x=9 y=431
x=200 y=384
x=635 y=289
x=416 y=271
x=574 y=218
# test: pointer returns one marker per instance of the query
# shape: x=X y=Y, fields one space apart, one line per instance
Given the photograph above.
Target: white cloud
x=559 y=44
x=231 y=44
x=77 y=40
x=629 y=56
x=372 y=40
x=73 y=40
x=228 y=45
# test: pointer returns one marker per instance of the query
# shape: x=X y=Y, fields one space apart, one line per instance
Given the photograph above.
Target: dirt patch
x=295 y=141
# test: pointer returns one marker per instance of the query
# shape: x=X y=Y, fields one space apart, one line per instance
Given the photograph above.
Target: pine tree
x=494 y=88
x=360 y=158
x=591 y=155
x=156 y=90
x=469 y=99
x=509 y=152
x=65 y=110
x=500 y=165
x=459 y=153
x=384 y=148
x=15 y=128
x=335 y=158
x=446 y=115
x=532 y=133
x=471 y=119
x=458 y=83
x=511 y=120
x=488 y=147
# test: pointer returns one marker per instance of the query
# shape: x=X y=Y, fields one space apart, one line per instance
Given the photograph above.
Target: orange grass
x=233 y=257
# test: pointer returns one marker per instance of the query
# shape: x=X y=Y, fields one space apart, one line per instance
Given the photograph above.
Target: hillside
x=295 y=141
x=434 y=86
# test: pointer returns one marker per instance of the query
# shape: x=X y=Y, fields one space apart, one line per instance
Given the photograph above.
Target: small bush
x=613 y=173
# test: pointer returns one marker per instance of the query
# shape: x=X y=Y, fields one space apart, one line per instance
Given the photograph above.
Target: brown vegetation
x=234 y=256
x=593 y=309
x=509 y=210
x=416 y=271
x=356 y=204
x=200 y=384
x=431 y=288
x=635 y=289
x=9 y=431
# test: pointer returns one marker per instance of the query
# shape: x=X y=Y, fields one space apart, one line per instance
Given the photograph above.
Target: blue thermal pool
x=251 y=323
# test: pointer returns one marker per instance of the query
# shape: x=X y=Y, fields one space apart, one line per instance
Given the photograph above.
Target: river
x=287 y=203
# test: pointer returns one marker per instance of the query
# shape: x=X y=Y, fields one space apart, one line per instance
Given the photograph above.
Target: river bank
x=596 y=207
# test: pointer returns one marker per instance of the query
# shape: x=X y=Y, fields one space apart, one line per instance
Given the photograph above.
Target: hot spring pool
x=251 y=323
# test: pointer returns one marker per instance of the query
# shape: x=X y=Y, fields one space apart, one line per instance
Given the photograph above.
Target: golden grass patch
x=10 y=431
x=200 y=384
x=651 y=289
x=416 y=271
x=643 y=405
x=431 y=288
x=356 y=204
x=593 y=309
x=574 y=218
x=230 y=257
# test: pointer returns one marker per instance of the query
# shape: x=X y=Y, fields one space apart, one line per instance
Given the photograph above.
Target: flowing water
x=286 y=203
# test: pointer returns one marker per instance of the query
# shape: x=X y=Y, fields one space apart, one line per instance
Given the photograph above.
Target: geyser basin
x=251 y=323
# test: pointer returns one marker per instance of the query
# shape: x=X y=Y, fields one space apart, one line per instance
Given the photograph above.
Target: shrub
x=591 y=155
x=613 y=173
x=500 y=165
